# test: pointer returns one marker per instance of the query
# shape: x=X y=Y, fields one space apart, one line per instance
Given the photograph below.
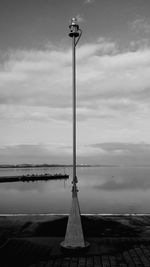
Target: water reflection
x=101 y=190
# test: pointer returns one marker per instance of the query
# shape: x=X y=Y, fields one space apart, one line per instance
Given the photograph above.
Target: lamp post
x=74 y=239
x=75 y=32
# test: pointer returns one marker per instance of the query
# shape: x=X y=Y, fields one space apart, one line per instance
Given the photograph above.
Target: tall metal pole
x=74 y=107
x=74 y=239
x=75 y=33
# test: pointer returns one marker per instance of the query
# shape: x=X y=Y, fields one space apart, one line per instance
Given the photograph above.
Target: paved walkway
x=137 y=255
x=103 y=252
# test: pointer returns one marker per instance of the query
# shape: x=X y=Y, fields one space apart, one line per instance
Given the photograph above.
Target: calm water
x=101 y=190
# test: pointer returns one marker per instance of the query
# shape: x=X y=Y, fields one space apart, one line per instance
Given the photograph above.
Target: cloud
x=47 y=74
x=137 y=154
x=140 y=25
x=37 y=84
x=34 y=153
x=129 y=154
x=18 y=113
x=126 y=150
x=44 y=153
x=129 y=147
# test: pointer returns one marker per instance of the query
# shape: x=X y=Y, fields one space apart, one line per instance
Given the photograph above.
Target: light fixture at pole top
x=74 y=28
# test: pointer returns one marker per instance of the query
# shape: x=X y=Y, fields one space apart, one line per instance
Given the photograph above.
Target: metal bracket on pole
x=78 y=37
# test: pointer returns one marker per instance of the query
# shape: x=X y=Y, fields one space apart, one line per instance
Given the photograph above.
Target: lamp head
x=74 y=28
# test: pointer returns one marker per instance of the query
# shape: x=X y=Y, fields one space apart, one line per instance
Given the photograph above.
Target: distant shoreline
x=21 y=166
x=67 y=214
x=53 y=165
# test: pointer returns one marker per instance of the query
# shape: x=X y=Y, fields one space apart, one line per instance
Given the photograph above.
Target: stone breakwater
x=33 y=177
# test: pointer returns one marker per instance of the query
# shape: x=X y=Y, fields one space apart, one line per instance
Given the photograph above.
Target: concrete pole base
x=74 y=249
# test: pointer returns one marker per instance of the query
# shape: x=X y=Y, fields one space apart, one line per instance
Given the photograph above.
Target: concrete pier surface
x=115 y=240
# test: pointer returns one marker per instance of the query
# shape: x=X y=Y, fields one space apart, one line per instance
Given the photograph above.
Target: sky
x=113 y=82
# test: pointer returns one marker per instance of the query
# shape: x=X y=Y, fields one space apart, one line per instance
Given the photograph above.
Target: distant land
x=51 y=165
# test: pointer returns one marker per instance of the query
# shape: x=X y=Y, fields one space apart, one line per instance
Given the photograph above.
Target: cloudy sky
x=113 y=81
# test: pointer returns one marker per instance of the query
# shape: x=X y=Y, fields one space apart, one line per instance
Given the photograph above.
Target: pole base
x=74 y=250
